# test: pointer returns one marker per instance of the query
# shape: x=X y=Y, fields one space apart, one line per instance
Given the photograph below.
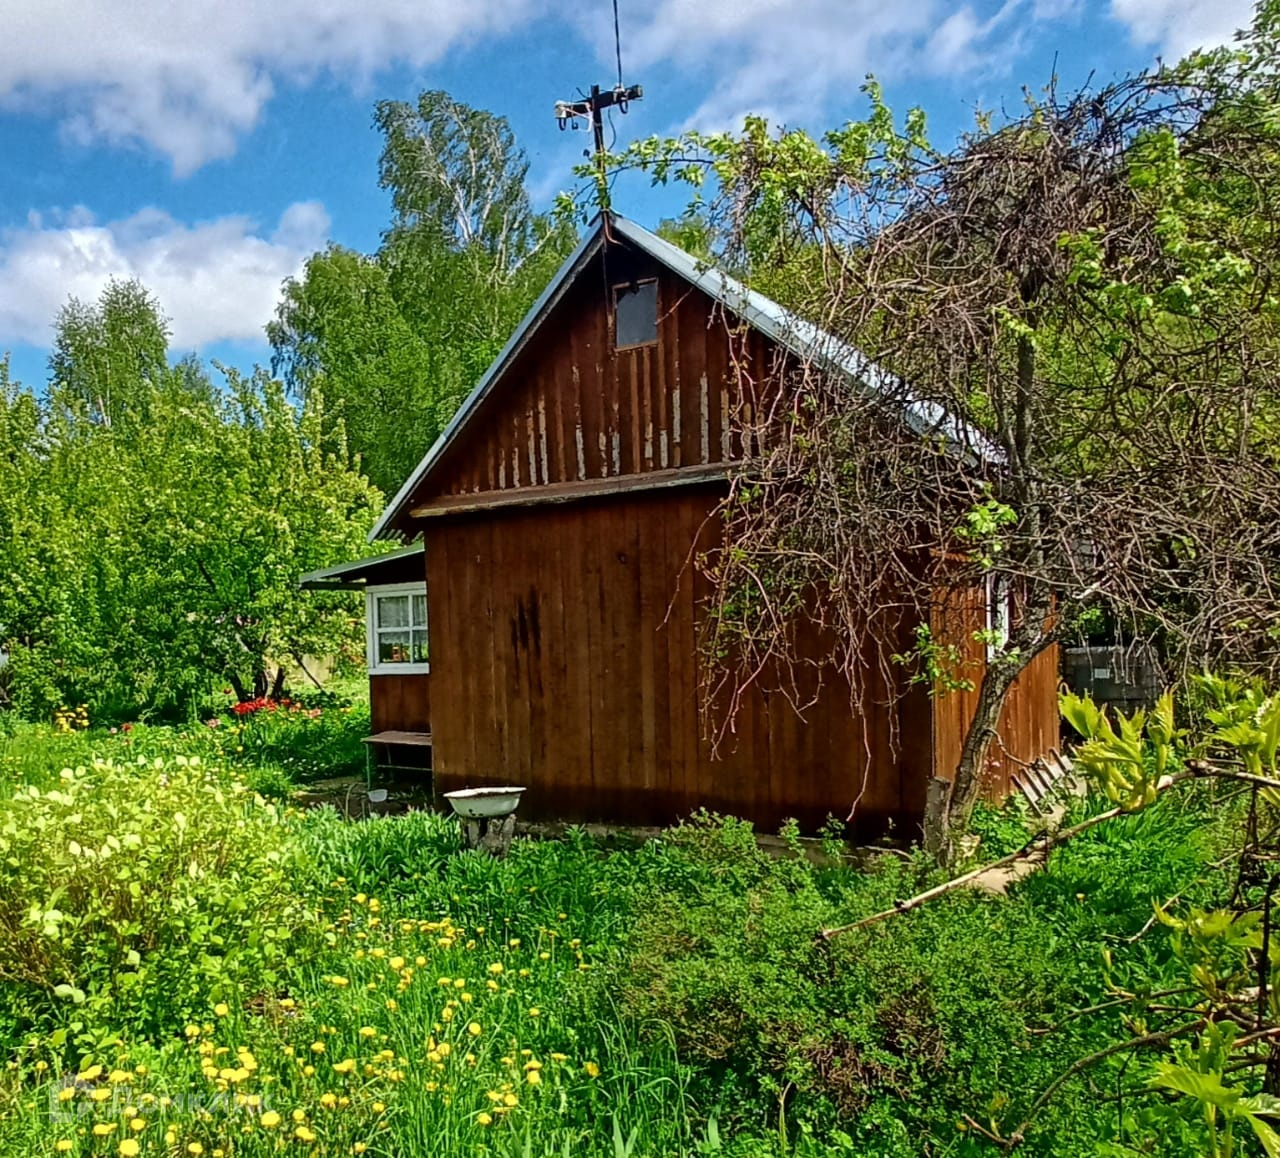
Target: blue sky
x=208 y=146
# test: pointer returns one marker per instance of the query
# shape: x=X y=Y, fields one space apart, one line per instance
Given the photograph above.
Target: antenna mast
x=590 y=108
x=568 y=113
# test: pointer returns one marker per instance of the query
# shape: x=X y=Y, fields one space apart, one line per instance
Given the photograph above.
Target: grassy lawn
x=192 y=966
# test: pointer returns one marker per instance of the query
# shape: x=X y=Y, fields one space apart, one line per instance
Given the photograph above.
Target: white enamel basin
x=477 y=803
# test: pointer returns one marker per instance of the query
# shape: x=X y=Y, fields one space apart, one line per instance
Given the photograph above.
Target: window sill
x=393 y=669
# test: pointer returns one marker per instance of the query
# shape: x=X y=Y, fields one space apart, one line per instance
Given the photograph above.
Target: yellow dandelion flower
x=317 y=1047
x=339 y=982
x=137 y=1125
x=368 y=1031
x=66 y=1093
x=63 y=1145
x=591 y=1069
x=419 y=961
x=308 y=1071
x=99 y=1095
x=346 y=1066
x=195 y=1148
x=446 y=1014
x=391 y=1004
x=378 y=1107
x=496 y=968
x=396 y=963
x=484 y=1119
x=102 y=1129
x=129 y=1148
x=270 y=1120
x=535 y=1012
x=544 y=956
x=299 y=1115
x=474 y=1029
x=359 y=1147
x=170 y=1138
x=328 y=1100
x=492 y=986
x=304 y=1135
x=221 y=1009
x=514 y=942
x=533 y=1077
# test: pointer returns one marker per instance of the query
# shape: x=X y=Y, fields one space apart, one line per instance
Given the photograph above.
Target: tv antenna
x=591 y=108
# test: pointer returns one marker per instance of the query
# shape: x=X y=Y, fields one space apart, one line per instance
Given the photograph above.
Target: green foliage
x=934 y=664
x=150 y=556
x=409 y=329
x=1126 y=762
x=685 y=970
x=129 y=893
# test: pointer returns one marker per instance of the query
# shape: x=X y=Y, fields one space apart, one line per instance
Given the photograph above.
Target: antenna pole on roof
x=591 y=108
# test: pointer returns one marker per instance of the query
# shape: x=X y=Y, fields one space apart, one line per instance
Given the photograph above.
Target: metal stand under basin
x=488 y=817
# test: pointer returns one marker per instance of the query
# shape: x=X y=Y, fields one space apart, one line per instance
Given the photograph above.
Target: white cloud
x=1175 y=27
x=188 y=78
x=217 y=280
x=787 y=58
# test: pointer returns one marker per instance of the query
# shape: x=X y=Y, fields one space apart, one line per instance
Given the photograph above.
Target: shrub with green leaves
x=132 y=894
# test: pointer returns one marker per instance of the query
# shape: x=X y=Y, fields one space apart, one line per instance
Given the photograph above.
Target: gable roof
x=785 y=328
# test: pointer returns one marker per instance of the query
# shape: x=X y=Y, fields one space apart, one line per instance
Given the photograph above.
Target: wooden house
x=551 y=586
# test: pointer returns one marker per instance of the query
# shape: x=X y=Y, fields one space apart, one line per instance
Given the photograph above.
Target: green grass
x=672 y=998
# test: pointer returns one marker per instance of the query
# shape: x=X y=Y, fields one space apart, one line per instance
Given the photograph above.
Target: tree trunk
x=949 y=808
x=277 y=685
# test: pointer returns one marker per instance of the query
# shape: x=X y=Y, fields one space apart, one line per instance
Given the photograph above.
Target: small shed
x=543 y=629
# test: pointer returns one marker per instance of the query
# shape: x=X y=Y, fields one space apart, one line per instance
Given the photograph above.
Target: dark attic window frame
x=631 y=289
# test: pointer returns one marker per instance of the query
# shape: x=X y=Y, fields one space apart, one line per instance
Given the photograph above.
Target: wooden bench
x=388 y=742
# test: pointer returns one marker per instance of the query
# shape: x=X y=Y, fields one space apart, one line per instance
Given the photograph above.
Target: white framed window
x=396 y=622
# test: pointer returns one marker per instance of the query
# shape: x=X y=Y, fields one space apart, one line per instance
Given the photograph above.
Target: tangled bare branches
x=1050 y=369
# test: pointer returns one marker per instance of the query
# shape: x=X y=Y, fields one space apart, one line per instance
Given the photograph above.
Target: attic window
x=635 y=313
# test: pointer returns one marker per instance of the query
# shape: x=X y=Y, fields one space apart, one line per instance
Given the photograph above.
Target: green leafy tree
x=106 y=353
x=151 y=555
x=397 y=339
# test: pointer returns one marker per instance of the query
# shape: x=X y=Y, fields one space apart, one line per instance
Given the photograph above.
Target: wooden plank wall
x=400 y=702
x=564 y=645
x=1029 y=723
x=572 y=409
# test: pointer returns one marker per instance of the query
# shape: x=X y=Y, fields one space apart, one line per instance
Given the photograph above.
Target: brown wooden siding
x=571 y=408
x=1029 y=723
x=400 y=702
x=563 y=642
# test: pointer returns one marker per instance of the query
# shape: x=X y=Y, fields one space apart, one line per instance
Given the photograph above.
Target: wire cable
x=617 y=41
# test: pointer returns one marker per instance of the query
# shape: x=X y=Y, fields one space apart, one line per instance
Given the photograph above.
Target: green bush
x=129 y=894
